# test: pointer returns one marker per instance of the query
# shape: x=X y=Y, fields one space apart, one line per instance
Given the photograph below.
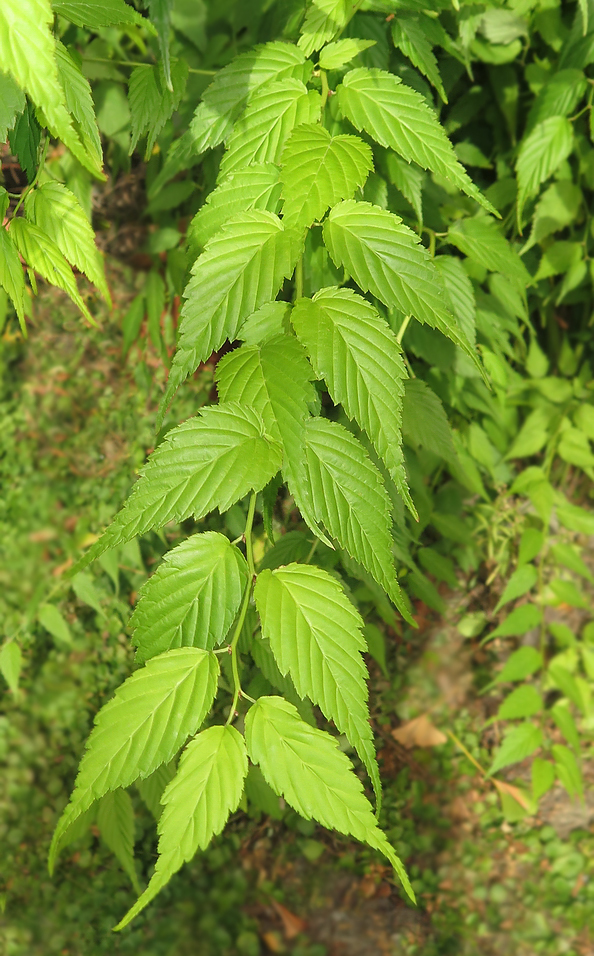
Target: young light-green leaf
x=519 y=742
x=100 y=13
x=349 y=499
x=143 y=726
x=207 y=462
x=44 y=256
x=12 y=277
x=305 y=766
x=335 y=55
x=12 y=102
x=225 y=98
x=323 y=20
x=58 y=213
x=315 y=636
x=197 y=803
x=397 y=116
x=386 y=258
x=115 y=819
x=79 y=102
x=243 y=267
x=254 y=187
x=28 y=51
x=354 y=350
x=319 y=170
x=192 y=598
x=275 y=379
x=272 y=112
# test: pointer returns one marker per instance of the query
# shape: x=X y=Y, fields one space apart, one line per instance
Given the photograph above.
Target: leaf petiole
x=237 y=691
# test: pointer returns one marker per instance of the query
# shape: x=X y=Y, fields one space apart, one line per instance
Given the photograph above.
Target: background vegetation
x=498 y=569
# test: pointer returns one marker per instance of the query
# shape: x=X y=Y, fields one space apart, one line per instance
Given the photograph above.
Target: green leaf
x=243 y=267
x=192 y=598
x=255 y=187
x=460 y=299
x=520 y=621
x=519 y=742
x=540 y=154
x=272 y=112
x=424 y=421
x=520 y=664
x=132 y=322
x=11 y=662
x=79 y=102
x=543 y=777
x=567 y=556
x=315 y=636
x=568 y=770
x=354 y=350
x=275 y=379
x=481 y=240
x=386 y=258
x=558 y=97
x=152 y=787
x=319 y=170
x=24 y=141
x=12 y=102
x=99 y=13
x=12 y=277
x=207 y=462
x=350 y=501
x=143 y=726
x=152 y=103
x=267 y=322
x=225 y=98
x=408 y=178
x=562 y=716
x=43 y=255
x=115 y=819
x=51 y=618
x=531 y=543
x=265 y=661
x=524 y=701
x=575 y=518
x=28 y=51
x=323 y=20
x=60 y=216
x=522 y=580
x=160 y=14
x=336 y=55
x=305 y=766
x=557 y=208
x=410 y=38
x=85 y=590
x=399 y=117
x=197 y=803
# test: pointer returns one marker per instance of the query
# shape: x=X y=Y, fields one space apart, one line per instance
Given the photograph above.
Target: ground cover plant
x=394 y=388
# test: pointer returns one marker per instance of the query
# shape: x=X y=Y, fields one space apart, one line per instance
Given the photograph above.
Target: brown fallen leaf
x=274 y=943
x=292 y=924
x=514 y=792
x=419 y=732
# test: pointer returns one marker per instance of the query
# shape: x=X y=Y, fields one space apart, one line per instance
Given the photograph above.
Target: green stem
x=402 y=329
x=101 y=59
x=312 y=551
x=325 y=89
x=237 y=691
